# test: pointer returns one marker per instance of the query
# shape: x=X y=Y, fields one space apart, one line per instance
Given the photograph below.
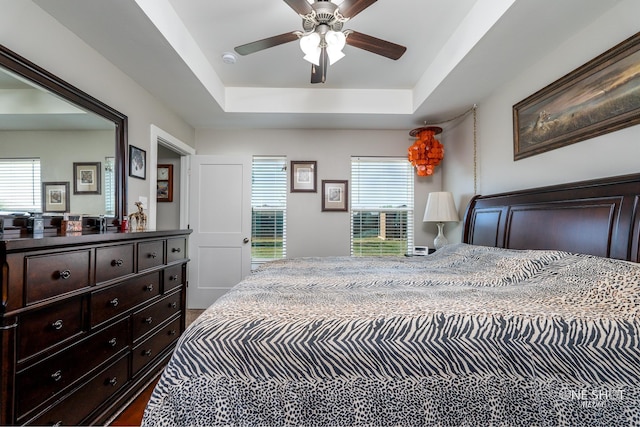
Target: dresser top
x=85 y=238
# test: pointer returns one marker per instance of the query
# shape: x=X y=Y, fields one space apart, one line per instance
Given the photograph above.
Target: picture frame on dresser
x=55 y=196
x=86 y=178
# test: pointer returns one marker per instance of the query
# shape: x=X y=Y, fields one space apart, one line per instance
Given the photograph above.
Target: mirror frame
x=41 y=77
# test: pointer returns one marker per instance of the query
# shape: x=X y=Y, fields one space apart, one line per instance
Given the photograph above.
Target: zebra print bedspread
x=468 y=336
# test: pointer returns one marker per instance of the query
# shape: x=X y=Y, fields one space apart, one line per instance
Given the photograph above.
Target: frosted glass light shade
x=310 y=45
x=335 y=43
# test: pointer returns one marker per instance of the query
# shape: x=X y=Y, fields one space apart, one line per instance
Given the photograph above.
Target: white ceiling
x=458 y=52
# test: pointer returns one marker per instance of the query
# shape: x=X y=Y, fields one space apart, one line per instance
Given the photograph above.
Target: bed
x=532 y=320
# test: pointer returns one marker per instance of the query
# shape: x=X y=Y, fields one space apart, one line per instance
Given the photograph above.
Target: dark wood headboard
x=599 y=217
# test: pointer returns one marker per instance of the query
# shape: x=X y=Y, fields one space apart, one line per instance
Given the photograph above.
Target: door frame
x=160 y=137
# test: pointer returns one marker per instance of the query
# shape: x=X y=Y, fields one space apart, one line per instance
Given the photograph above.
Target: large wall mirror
x=72 y=141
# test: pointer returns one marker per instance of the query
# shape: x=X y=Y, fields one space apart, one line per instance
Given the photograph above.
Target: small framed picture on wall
x=303 y=176
x=86 y=178
x=137 y=162
x=165 y=183
x=335 y=195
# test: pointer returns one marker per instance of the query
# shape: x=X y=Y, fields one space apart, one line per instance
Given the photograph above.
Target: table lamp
x=440 y=209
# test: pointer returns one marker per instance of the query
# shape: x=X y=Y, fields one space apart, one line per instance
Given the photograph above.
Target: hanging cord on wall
x=475 y=151
x=441 y=122
x=475 y=141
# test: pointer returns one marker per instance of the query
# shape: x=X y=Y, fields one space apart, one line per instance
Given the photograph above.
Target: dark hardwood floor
x=132 y=415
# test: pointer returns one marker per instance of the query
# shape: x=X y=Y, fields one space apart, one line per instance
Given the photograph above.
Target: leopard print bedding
x=467 y=336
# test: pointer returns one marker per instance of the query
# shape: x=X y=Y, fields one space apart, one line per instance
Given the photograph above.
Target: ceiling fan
x=323 y=38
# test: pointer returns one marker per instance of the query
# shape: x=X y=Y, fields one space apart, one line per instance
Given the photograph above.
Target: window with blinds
x=20 y=188
x=109 y=186
x=381 y=206
x=268 y=209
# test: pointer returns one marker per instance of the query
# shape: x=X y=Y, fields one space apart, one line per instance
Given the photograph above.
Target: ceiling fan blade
x=375 y=45
x=256 y=46
x=350 y=8
x=319 y=72
x=302 y=7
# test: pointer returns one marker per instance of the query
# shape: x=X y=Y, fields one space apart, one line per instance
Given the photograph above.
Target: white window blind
x=268 y=209
x=20 y=187
x=109 y=186
x=381 y=206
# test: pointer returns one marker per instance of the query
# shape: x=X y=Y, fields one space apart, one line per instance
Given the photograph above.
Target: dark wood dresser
x=87 y=321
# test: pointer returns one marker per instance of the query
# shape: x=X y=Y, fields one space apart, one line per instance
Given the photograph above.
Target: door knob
x=245 y=240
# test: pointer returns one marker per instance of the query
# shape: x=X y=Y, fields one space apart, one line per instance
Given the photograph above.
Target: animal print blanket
x=468 y=336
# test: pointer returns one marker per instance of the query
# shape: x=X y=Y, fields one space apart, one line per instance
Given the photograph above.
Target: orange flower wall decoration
x=427 y=152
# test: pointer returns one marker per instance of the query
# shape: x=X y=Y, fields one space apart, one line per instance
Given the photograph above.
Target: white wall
x=58 y=150
x=30 y=32
x=311 y=232
x=168 y=213
x=612 y=154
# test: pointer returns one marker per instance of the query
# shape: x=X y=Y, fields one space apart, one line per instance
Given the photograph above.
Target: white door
x=220 y=216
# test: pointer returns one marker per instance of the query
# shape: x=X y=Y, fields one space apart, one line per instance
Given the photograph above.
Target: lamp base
x=440 y=241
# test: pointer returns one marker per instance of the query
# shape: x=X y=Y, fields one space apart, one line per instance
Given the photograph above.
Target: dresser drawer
x=113 y=262
x=173 y=277
x=155 y=344
x=176 y=249
x=110 y=302
x=49 y=377
x=150 y=254
x=50 y=275
x=78 y=405
x=40 y=329
x=150 y=317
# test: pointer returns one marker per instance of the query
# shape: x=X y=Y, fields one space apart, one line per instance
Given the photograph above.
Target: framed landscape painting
x=599 y=97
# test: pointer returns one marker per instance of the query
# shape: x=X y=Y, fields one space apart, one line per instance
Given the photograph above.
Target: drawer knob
x=148 y=320
x=146 y=352
x=153 y=255
x=173 y=305
x=112 y=342
x=117 y=263
x=56 y=376
x=112 y=381
x=114 y=302
x=174 y=277
x=57 y=325
x=172 y=332
x=176 y=250
x=149 y=287
x=65 y=274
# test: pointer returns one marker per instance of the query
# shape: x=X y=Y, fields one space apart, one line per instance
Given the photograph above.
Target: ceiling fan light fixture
x=335 y=41
x=310 y=45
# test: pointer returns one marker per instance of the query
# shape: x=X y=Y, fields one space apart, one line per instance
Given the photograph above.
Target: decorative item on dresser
x=89 y=318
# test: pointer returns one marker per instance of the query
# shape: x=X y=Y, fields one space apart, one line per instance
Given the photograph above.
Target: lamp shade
x=310 y=45
x=440 y=208
x=335 y=43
